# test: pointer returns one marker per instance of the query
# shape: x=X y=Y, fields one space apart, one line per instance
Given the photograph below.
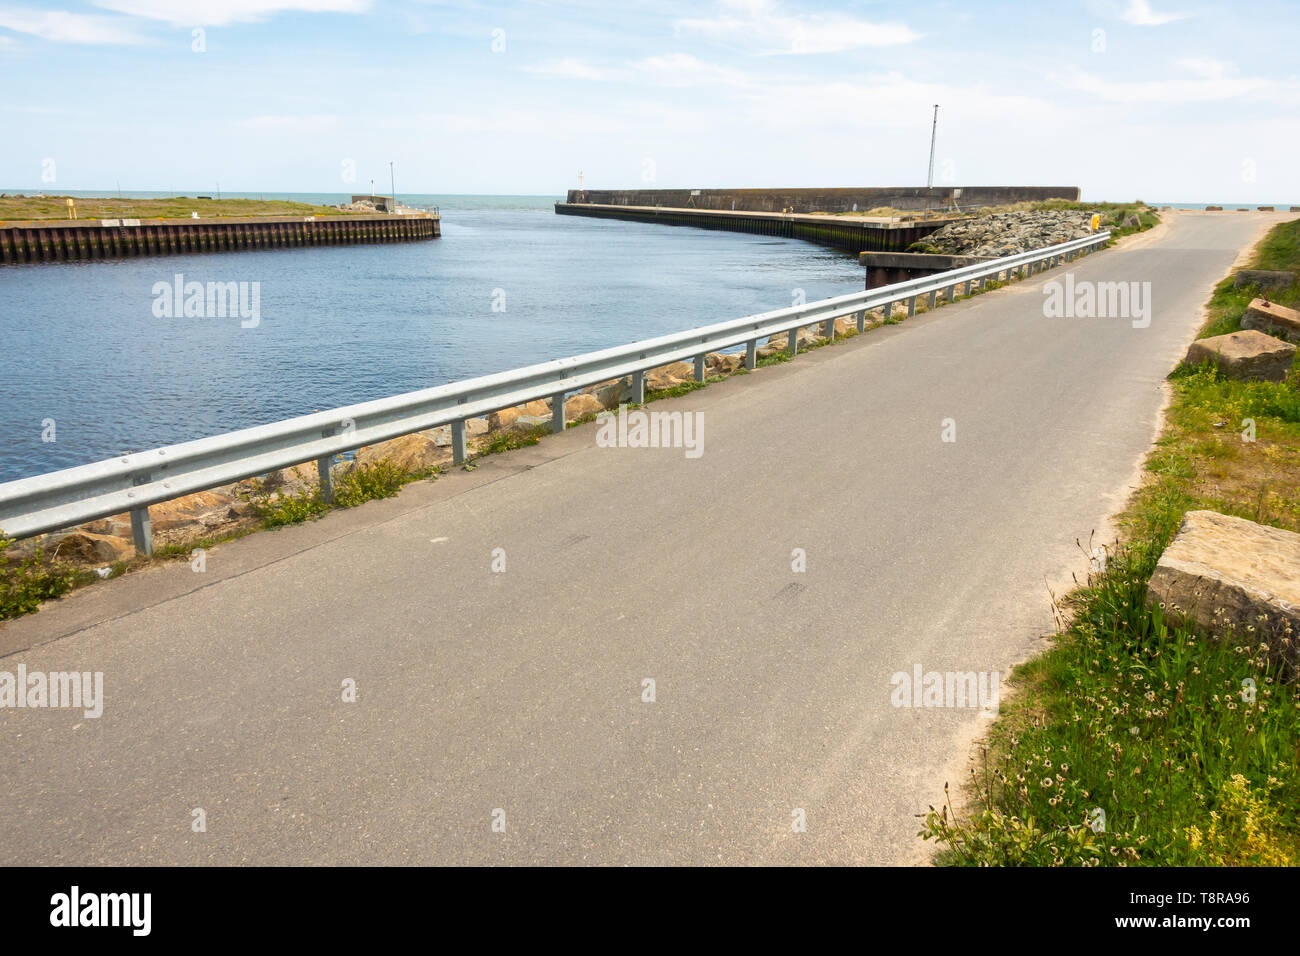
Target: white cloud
x=757 y=25
x=1139 y=13
x=60 y=26
x=1211 y=81
x=670 y=69
x=572 y=69
x=222 y=12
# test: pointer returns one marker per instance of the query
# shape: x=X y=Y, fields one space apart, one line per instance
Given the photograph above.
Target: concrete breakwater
x=850 y=234
x=809 y=200
x=65 y=241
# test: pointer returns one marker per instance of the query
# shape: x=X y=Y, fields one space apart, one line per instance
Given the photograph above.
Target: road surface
x=516 y=697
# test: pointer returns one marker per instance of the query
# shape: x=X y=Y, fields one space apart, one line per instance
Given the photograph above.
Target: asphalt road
x=521 y=691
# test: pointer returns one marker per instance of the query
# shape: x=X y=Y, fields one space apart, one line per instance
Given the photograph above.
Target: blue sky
x=1166 y=100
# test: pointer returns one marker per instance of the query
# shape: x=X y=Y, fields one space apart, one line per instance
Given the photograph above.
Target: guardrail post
x=887 y=311
x=699 y=367
x=970 y=284
x=911 y=307
x=934 y=298
x=326 y=475
x=828 y=329
x=862 y=321
x=458 y=441
x=142 y=531
x=638 y=387
x=792 y=342
x=751 y=354
x=557 y=412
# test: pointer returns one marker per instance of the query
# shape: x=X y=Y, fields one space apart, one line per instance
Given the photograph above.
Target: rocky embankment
x=1007 y=233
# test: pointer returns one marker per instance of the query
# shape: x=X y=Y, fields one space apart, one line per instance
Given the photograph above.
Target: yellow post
x=72 y=208
x=1096 y=221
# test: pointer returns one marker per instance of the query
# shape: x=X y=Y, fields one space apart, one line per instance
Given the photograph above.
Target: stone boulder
x=1248 y=355
x=611 y=394
x=669 y=376
x=291 y=479
x=1263 y=278
x=86 y=547
x=580 y=406
x=807 y=336
x=201 y=511
x=417 y=452
x=1223 y=572
x=715 y=363
x=1265 y=316
x=506 y=417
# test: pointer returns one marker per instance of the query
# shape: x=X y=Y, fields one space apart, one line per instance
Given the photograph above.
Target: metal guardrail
x=133 y=482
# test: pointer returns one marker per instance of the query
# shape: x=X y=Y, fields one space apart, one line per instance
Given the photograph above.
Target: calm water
x=81 y=344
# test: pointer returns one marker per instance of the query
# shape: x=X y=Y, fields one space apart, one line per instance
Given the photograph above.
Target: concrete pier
x=853 y=234
x=838 y=200
x=47 y=240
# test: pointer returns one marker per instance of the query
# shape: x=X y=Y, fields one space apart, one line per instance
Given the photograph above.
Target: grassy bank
x=180 y=207
x=1142 y=721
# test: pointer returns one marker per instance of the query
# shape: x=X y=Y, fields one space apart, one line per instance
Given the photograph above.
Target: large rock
x=1263 y=278
x=718 y=364
x=1265 y=316
x=201 y=511
x=86 y=547
x=1222 y=572
x=506 y=417
x=669 y=376
x=611 y=394
x=474 y=428
x=417 y=452
x=807 y=336
x=1248 y=355
x=291 y=479
x=580 y=406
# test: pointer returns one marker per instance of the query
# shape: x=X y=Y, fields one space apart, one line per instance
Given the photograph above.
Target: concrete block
x=1264 y=278
x=1222 y=572
x=1248 y=355
x=1265 y=316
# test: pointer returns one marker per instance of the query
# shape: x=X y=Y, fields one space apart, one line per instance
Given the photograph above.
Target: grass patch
x=680 y=389
x=513 y=438
x=1144 y=721
x=27 y=581
x=178 y=207
x=369 y=482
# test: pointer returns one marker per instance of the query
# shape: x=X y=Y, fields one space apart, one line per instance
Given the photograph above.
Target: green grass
x=512 y=438
x=369 y=482
x=179 y=207
x=1142 y=720
x=26 y=582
